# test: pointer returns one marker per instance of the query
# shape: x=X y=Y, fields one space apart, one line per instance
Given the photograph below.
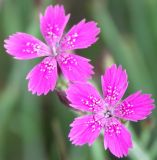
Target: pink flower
x=106 y=112
x=43 y=77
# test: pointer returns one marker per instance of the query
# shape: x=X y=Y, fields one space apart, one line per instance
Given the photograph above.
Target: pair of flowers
x=106 y=112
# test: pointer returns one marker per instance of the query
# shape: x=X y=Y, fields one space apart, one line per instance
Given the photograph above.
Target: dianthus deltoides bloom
x=43 y=77
x=107 y=112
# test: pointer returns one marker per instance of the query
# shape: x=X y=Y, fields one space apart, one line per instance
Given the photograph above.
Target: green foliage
x=36 y=128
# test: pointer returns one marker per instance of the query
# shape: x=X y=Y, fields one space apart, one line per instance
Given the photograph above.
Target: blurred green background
x=36 y=128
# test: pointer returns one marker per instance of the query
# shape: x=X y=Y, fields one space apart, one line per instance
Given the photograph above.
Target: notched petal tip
x=25 y=46
x=84 y=130
x=81 y=35
x=84 y=97
x=42 y=78
x=53 y=22
x=40 y=16
x=114 y=83
x=117 y=138
x=75 y=68
x=135 y=107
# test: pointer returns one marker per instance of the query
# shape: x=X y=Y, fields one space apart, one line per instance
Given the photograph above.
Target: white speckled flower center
x=108 y=114
x=69 y=42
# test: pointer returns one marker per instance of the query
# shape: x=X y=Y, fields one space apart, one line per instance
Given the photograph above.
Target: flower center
x=107 y=114
x=55 y=49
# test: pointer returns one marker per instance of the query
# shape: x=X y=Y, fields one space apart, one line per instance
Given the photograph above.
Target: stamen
x=107 y=114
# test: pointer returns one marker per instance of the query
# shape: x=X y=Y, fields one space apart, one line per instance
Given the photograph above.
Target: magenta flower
x=43 y=77
x=107 y=112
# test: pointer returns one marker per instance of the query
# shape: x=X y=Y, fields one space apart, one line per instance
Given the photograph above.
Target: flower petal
x=84 y=96
x=114 y=84
x=117 y=138
x=81 y=35
x=74 y=67
x=85 y=129
x=53 y=22
x=25 y=46
x=135 y=107
x=43 y=77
